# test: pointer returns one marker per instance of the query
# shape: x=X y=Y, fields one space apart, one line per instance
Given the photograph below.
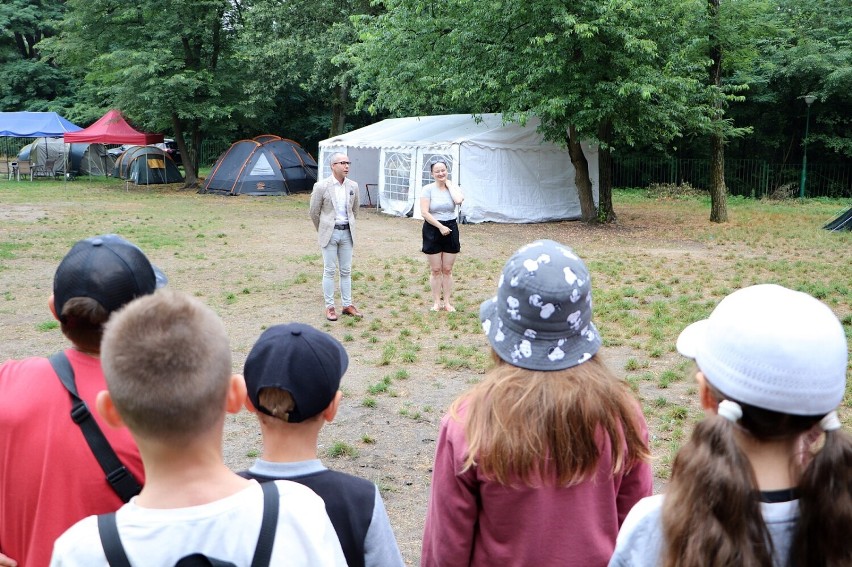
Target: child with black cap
x=49 y=477
x=167 y=364
x=293 y=375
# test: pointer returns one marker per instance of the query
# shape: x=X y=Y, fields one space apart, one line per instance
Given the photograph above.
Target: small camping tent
x=507 y=171
x=112 y=128
x=84 y=159
x=842 y=222
x=146 y=165
x=266 y=165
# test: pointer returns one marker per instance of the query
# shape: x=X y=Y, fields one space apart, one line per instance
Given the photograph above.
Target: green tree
x=613 y=73
x=30 y=81
x=810 y=54
x=300 y=49
x=718 y=190
x=167 y=64
x=732 y=31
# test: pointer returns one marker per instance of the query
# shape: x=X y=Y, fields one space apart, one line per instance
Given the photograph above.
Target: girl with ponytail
x=766 y=478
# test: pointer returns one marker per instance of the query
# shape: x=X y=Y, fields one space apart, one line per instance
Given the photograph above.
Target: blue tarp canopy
x=34 y=125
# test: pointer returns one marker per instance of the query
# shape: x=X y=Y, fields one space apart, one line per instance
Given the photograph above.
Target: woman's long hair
x=712 y=514
x=532 y=427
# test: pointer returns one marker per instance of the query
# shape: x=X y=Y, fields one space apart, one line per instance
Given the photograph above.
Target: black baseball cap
x=106 y=268
x=300 y=360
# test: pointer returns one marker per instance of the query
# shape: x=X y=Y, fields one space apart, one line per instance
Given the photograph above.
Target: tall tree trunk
x=338 y=110
x=606 y=213
x=718 y=191
x=588 y=213
x=189 y=158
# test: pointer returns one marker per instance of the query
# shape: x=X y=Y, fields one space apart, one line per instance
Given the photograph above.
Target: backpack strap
x=269 y=525
x=116 y=557
x=111 y=541
x=120 y=479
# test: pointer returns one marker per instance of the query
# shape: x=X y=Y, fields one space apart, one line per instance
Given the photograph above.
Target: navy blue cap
x=298 y=359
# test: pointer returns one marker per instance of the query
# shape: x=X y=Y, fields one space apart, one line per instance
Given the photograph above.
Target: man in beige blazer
x=334 y=205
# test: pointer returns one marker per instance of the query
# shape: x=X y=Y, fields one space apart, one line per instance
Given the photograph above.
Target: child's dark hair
x=82 y=321
x=712 y=513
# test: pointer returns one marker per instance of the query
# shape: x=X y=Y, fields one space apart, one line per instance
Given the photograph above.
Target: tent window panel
x=326 y=161
x=156 y=163
x=428 y=160
x=397 y=177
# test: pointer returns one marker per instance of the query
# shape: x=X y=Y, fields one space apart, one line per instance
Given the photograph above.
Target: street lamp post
x=809 y=100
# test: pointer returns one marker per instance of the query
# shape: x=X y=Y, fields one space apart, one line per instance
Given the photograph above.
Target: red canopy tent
x=111 y=128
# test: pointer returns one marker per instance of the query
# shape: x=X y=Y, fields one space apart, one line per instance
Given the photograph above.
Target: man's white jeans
x=338 y=251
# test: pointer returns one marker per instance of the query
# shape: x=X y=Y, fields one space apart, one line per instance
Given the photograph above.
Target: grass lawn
x=256 y=262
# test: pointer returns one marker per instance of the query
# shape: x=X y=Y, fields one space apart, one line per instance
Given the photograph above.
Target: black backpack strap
x=111 y=541
x=201 y=560
x=120 y=479
x=116 y=557
x=268 y=527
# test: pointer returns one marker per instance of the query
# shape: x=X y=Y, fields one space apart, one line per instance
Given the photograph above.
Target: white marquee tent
x=507 y=172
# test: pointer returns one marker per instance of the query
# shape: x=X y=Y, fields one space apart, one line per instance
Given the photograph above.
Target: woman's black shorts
x=435 y=243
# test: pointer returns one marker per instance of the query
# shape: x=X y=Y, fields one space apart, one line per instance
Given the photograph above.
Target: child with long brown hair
x=766 y=478
x=540 y=462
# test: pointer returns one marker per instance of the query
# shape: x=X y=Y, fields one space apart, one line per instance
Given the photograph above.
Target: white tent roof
x=427 y=131
x=508 y=172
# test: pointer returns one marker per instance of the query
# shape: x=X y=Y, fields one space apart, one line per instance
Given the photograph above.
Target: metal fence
x=210 y=152
x=746 y=177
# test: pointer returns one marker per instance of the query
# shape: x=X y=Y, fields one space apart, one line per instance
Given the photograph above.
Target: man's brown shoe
x=330 y=314
x=352 y=310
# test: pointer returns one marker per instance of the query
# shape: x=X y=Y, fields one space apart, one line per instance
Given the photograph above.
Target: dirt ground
x=257 y=263
x=403 y=425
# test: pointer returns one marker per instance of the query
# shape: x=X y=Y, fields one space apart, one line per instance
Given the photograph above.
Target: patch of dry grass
x=256 y=262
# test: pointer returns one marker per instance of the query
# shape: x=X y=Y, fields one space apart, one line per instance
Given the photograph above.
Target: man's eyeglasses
x=342 y=163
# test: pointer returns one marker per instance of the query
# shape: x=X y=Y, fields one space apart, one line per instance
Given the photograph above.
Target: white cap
x=773 y=348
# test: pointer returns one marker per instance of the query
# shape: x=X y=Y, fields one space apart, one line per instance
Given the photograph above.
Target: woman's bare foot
x=449 y=308
x=437 y=307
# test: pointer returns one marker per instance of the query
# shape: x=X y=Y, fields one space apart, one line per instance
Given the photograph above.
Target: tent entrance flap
x=396 y=182
x=262 y=167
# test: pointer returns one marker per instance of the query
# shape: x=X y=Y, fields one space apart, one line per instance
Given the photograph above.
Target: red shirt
x=49 y=478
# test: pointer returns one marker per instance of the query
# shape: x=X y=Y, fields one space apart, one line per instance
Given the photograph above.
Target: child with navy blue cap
x=168 y=369
x=293 y=375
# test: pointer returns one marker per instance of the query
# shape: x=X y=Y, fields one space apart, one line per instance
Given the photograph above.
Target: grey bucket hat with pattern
x=541 y=317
